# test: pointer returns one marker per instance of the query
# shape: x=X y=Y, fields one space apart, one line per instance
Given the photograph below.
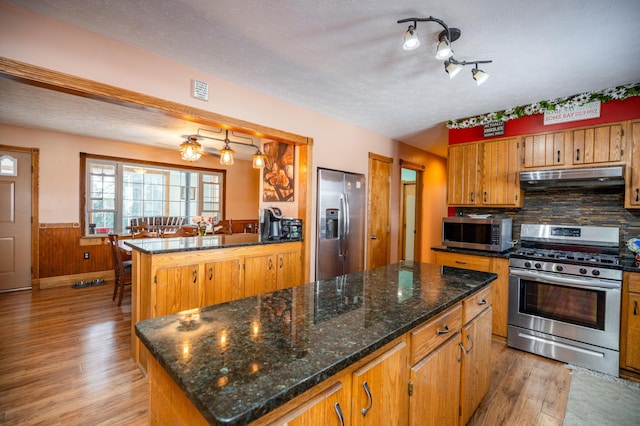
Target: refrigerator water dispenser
x=332 y=223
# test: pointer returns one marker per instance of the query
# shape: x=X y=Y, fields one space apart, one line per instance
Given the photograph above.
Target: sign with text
x=494 y=128
x=563 y=115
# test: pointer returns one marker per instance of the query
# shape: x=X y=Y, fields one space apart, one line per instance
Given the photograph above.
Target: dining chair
x=145 y=234
x=122 y=268
x=185 y=231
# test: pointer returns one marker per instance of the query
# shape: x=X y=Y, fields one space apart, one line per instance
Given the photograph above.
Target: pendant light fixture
x=444 y=51
x=226 y=153
x=190 y=149
x=259 y=159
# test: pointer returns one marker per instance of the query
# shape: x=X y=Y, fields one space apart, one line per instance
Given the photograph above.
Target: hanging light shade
x=479 y=76
x=190 y=149
x=258 y=159
x=452 y=68
x=443 y=51
x=226 y=155
x=411 y=39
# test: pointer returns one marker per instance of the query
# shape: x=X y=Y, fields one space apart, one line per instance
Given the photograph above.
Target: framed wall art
x=278 y=173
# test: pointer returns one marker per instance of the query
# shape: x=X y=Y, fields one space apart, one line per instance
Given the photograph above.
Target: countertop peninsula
x=239 y=360
x=207 y=242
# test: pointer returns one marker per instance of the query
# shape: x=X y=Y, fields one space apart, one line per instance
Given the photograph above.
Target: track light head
x=411 y=40
x=479 y=76
x=452 y=68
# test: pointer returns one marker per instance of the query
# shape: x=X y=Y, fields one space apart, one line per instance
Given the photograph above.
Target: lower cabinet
x=379 y=389
x=435 y=386
x=222 y=281
x=176 y=289
x=630 y=327
x=259 y=274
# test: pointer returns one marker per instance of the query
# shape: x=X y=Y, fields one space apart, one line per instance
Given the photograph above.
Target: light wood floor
x=64 y=360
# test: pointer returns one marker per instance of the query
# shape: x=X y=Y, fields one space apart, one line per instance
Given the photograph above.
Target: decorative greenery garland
x=618 y=93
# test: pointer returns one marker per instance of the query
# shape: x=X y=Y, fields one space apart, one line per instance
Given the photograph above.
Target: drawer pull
x=339 y=413
x=210 y=273
x=460 y=262
x=482 y=302
x=445 y=330
x=365 y=385
x=635 y=307
x=470 y=347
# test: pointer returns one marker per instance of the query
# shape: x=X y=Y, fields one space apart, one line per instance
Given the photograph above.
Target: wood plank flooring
x=65 y=360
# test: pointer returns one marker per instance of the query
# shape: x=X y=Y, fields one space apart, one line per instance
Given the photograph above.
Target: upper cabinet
x=484 y=174
x=464 y=167
x=632 y=196
x=596 y=145
x=544 y=150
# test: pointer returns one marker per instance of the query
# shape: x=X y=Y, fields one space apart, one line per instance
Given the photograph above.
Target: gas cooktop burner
x=569 y=256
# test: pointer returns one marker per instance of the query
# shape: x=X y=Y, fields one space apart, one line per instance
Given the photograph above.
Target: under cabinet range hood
x=589 y=177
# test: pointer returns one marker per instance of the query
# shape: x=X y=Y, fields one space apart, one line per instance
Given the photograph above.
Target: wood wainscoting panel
x=62 y=254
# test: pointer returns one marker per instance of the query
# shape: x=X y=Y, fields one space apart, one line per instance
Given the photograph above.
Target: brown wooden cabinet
x=463 y=174
x=596 y=145
x=632 y=195
x=630 y=330
x=500 y=173
x=259 y=274
x=544 y=150
x=379 y=389
x=475 y=376
x=288 y=269
x=222 y=281
x=176 y=289
x=497 y=265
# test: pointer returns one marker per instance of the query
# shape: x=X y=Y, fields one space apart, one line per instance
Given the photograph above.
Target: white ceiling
x=344 y=58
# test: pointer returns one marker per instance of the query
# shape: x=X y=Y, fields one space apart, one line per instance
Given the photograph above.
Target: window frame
x=84 y=157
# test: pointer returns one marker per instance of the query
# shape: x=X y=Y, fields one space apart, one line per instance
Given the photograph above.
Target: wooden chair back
x=122 y=270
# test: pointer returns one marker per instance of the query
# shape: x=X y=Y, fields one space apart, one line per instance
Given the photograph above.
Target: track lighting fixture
x=192 y=150
x=444 y=50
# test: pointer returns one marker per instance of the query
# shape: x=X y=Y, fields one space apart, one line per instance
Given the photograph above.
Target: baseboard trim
x=68 y=280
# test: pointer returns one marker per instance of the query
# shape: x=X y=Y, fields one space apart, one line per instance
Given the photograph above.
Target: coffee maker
x=271 y=225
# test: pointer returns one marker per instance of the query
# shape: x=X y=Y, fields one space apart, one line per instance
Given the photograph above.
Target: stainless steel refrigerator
x=340 y=223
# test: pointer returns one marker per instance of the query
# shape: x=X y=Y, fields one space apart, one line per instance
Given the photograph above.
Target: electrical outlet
x=86 y=254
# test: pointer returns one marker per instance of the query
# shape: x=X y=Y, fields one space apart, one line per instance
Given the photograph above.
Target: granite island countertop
x=208 y=242
x=239 y=360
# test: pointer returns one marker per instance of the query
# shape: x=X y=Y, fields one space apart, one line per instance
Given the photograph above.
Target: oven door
x=582 y=309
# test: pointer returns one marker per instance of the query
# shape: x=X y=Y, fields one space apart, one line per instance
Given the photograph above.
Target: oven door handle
x=586 y=283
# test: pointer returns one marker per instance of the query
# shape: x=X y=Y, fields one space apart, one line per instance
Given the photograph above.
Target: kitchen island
x=170 y=275
x=270 y=357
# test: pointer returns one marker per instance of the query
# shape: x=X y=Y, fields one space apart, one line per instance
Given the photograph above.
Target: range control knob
x=595 y=272
x=538 y=265
x=527 y=264
x=559 y=268
x=583 y=271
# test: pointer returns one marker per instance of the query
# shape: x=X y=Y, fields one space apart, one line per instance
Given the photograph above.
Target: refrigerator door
x=330 y=223
x=356 y=198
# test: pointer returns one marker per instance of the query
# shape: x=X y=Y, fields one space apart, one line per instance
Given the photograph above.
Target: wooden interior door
x=378 y=224
x=15 y=220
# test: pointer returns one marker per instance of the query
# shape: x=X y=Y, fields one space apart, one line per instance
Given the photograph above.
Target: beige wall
x=41 y=41
x=60 y=171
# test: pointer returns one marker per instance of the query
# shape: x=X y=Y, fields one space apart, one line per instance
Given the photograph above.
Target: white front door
x=15 y=220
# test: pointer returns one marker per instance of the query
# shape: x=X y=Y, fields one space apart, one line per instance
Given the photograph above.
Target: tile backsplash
x=573 y=206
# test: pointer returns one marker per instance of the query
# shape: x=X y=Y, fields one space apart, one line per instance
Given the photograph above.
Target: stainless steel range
x=564 y=295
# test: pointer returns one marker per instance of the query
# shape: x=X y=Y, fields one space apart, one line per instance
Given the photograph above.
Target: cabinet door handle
x=472 y=198
x=637 y=194
x=365 y=385
x=210 y=273
x=558 y=156
x=195 y=275
x=270 y=264
x=470 y=347
x=485 y=196
x=445 y=330
x=460 y=262
x=635 y=307
x=578 y=154
x=462 y=351
x=281 y=262
x=482 y=302
x=339 y=413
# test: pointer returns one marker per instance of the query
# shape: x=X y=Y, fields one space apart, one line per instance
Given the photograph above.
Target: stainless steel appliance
x=477 y=233
x=340 y=223
x=564 y=295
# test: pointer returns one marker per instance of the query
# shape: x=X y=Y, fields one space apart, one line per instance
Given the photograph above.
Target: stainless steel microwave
x=487 y=234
